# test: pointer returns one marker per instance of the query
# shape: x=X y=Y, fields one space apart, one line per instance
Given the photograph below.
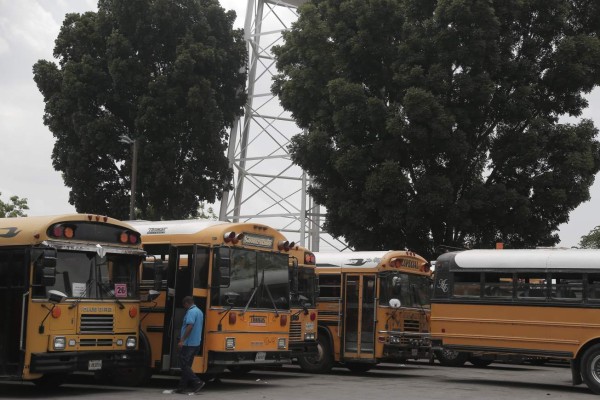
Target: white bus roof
x=364 y=259
x=178 y=227
x=529 y=259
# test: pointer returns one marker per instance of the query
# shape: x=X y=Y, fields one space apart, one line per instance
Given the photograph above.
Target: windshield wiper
x=112 y=294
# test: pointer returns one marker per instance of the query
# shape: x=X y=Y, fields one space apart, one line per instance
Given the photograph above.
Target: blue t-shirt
x=194 y=317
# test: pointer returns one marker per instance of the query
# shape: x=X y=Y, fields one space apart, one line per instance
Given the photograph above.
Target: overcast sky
x=27 y=32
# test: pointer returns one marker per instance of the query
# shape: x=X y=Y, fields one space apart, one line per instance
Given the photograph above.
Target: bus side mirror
x=224 y=272
x=152 y=295
x=395 y=303
x=45 y=266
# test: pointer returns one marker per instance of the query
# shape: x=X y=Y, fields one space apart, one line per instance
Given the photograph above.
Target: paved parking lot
x=409 y=381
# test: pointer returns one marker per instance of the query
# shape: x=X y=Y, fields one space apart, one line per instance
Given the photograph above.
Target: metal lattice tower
x=267 y=186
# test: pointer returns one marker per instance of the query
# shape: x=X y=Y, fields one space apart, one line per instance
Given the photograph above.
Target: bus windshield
x=411 y=290
x=257 y=280
x=86 y=275
x=307 y=287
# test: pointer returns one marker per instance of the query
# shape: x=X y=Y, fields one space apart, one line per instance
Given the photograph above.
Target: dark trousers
x=186 y=358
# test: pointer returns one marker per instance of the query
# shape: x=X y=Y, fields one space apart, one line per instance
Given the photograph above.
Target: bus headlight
x=281 y=343
x=394 y=339
x=119 y=342
x=60 y=343
x=309 y=336
x=230 y=343
x=131 y=342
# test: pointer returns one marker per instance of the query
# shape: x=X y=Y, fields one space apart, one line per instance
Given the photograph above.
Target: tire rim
x=316 y=360
x=595 y=368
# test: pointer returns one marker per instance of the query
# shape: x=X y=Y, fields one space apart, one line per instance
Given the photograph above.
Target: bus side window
x=564 y=286
x=330 y=285
x=498 y=284
x=531 y=285
x=467 y=284
x=593 y=287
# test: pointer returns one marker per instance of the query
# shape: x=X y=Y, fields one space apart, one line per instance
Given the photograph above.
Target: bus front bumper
x=80 y=361
x=248 y=358
x=304 y=348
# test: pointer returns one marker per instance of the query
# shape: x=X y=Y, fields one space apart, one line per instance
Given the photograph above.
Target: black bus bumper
x=221 y=359
x=306 y=349
x=80 y=361
x=400 y=352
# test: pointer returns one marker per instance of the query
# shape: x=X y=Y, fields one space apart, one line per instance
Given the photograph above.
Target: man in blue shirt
x=189 y=346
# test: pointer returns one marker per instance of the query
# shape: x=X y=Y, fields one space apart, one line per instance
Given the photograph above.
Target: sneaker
x=198 y=387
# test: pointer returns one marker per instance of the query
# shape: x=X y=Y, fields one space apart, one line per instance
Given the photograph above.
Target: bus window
x=531 y=285
x=498 y=284
x=329 y=286
x=467 y=284
x=566 y=287
x=593 y=287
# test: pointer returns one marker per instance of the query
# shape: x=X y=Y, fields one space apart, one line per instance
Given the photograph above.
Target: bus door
x=179 y=285
x=13 y=308
x=359 y=316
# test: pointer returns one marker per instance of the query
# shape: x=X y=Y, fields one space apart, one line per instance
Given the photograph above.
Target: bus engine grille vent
x=295 y=331
x=96 y=323
x=411 y=325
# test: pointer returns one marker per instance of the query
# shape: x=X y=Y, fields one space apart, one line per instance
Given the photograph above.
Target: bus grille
x=96 y=323
x=295 y=332
x=95 y=342
x=411 y=325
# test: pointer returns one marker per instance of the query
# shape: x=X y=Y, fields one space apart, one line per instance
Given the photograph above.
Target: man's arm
x=186 y=334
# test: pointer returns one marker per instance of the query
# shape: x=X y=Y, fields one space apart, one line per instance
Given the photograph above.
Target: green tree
x=435 y=122
x=167 y=73
x=14 y=208
x=591 y=240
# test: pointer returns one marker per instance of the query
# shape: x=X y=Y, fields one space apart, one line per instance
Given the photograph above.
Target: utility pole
x=134 y=143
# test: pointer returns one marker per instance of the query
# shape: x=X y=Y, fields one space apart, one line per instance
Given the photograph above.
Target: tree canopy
x=436 y=122
x=16 y=207
x=167 y=73
x=591 y=240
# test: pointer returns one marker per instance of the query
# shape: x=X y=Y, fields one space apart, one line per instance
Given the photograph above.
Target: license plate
x=310 y=326
x=94 y=365
x=261 y=356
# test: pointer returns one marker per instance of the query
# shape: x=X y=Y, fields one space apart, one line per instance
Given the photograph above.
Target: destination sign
x=251 y=239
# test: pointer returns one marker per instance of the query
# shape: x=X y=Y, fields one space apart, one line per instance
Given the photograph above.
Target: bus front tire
x=590 y=368
x=320 y=363
x=451 y=358
x=358 y=368
x=51 y=381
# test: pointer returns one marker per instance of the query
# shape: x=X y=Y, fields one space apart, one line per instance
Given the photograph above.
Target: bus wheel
x=358 y=368
x=51 y=381
x=239 y=370
x=590 y=368
x=320 y=363
x=480 y=362
x=451 y=358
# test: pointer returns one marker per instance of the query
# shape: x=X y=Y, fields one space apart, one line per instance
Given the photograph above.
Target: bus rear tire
x=480 y=362
x=590 y=368
x=320 y=363
x=451 y=358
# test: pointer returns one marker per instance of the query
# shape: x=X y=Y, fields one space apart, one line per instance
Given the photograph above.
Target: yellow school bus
x=373 y=307
x=303 y=303
x=69 y=296
x=526 y=303
x=238 y=276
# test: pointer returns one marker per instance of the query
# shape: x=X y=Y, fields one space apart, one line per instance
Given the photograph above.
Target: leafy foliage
x=435 y=122
x=167 y=73
x=15 y=208
x=591 y=240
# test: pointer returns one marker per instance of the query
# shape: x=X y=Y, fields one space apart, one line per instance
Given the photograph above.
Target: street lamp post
x=134 y=143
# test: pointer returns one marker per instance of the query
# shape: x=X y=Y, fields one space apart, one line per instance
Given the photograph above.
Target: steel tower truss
x=268 y=187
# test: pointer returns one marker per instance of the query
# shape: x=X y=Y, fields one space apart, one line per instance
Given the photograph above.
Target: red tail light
x=283 y=320
x=232 y=318
x=133 y=239
x=58 y=231
x=313 y=316
x=123 y=237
